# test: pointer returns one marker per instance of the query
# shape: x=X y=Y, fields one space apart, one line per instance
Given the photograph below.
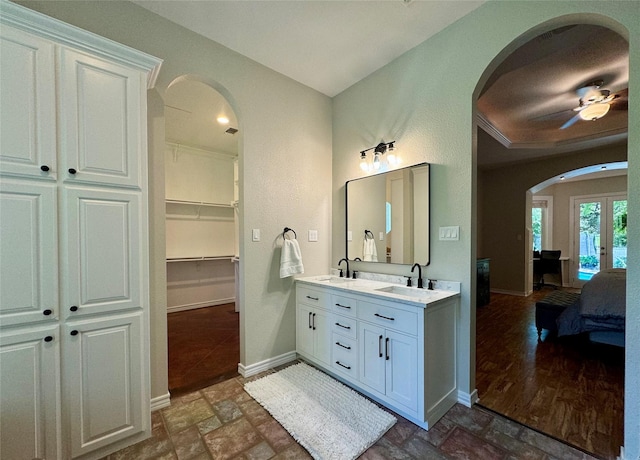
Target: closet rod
x=197 y=259
x=200 y=203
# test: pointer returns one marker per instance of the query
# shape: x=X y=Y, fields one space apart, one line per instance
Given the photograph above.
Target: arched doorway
x=531 y=393
x=202 y=242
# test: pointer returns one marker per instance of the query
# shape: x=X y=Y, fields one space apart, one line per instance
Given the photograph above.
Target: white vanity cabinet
x=401 y=354
x=74 y=295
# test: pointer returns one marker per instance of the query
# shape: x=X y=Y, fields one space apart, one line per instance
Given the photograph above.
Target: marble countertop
x=386 y=290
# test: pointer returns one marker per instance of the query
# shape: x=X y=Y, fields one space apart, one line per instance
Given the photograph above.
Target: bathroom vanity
x=393 y=343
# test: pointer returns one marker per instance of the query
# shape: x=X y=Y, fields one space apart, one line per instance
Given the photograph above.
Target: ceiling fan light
x=594 y=111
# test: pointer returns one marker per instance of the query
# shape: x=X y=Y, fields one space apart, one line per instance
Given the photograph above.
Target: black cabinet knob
x=74 y=332
x=47 y=312
x=44 y=168
x=48 y=338
x=73 y=308
x=72 y=171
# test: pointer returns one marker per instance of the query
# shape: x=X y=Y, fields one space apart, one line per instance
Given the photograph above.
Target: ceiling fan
x=595 y=103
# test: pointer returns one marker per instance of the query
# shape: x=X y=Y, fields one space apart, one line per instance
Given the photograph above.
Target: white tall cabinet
x=74 y=296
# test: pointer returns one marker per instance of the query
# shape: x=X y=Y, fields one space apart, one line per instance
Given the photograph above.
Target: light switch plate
x=255 y=234
x=449 y=233
x=349 y=235
x=313 y=235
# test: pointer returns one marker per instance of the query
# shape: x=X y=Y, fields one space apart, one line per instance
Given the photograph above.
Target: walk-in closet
x=201 y=188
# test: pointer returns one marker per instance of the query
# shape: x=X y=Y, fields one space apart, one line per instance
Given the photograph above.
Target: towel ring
x=287 y=229
x=367 y=233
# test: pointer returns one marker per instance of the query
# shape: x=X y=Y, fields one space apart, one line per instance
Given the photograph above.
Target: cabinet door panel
x=100 y=120
x=104 y=381
x=29 y=394
x=402 y=369
x=304 y=330
x=322 y=336
x=372 y=358
x=28 y=247
x=27 y=104
x=104 y=260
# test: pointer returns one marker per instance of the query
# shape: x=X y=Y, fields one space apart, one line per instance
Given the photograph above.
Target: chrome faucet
x=419 y=274
x=347 y=261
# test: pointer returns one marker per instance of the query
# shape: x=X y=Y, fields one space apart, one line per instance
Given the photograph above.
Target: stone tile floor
x=223 y=422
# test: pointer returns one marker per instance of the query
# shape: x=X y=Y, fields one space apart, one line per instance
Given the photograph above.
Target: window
x=541 y=222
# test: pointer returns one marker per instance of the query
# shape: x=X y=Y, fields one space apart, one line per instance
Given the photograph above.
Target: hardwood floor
x=204 y=347
x=566 y=387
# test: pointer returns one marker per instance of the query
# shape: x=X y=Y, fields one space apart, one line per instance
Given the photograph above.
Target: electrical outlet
x=313 y=235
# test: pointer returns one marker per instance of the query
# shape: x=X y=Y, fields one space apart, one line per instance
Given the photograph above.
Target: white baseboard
x=253 y=369
x=504 y=291
x=468 y=399
x=160 y=402
x=193 y=306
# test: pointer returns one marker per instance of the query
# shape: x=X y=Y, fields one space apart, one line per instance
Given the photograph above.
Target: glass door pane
x=619 y=232
x=589 y=239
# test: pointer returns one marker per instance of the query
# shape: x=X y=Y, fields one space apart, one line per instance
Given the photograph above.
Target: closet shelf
x=198 y=259
x=199 y=203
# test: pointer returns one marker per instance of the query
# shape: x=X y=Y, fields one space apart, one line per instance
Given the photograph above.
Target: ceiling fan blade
x=552 y=116
x=621 y=100
x=571 y=121
x=620 y=104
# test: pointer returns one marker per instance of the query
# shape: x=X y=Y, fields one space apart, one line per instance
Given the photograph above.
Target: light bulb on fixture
x=222 y=120
x=594 y=111
x=363 y=161
x=376 y=160
x=392 y=159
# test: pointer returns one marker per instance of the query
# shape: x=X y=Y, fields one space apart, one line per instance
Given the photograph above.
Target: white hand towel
x=291 y=259
x=369 y=251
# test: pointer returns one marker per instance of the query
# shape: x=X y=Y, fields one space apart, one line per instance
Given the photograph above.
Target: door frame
x=605 y=231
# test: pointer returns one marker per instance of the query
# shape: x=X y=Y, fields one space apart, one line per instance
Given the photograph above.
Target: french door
x=599 y=235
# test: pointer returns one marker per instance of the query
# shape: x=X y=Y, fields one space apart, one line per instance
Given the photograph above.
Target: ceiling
x=532 y=94
x=524 y=103
x=327 y=45
x=191 y=111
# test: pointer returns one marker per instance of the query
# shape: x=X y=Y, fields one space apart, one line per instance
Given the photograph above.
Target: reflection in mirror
x=388 y=216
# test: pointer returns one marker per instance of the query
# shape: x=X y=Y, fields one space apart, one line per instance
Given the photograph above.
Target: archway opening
x=528 y=134
x=202 y=235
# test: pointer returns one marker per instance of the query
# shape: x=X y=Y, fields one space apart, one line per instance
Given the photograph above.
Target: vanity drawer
x=344 y=305
x=389 y=317
x=345 y=326
x=314 y=297
x=344 y=355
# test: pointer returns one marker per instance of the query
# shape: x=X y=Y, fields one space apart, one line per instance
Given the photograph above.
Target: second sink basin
x=406 y=291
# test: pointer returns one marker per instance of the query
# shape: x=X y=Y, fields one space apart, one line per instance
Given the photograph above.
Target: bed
x=600 y=311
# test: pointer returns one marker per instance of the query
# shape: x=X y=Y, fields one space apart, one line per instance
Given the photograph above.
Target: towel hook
x=367 y=233
x=287 y=229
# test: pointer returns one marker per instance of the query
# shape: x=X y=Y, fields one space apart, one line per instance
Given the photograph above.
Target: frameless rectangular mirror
x=388 y=216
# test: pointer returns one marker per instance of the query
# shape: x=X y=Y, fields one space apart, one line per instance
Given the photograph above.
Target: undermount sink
x=406 y=291
x=334 y=279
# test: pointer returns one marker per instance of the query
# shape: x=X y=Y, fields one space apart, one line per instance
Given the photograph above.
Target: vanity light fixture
x=379 y=150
